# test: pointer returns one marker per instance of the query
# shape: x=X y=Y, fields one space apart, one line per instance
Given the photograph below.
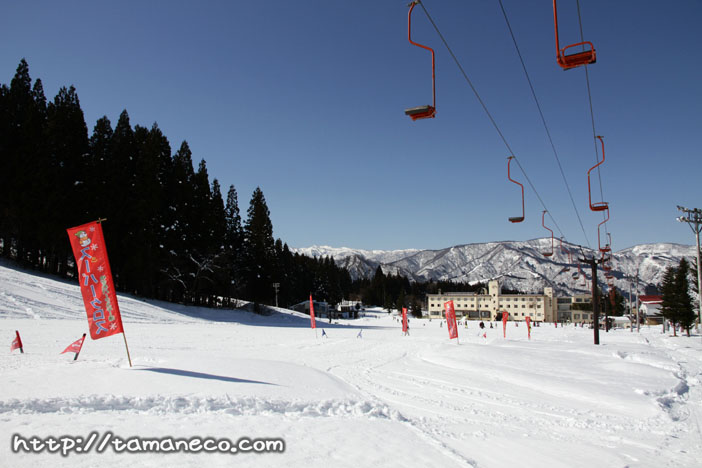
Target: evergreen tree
x=233 y=243
x=24 y=149
x=259 y=248
x=178 y=240
x=68 y=149
x=685 y=312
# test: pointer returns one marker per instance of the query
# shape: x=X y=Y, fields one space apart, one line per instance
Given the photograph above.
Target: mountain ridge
x=520 y=264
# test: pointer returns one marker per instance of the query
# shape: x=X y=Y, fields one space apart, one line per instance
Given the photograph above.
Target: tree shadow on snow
x=201 y=375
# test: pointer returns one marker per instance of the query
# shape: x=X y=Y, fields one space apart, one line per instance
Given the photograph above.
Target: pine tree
x=68 y=148
x=668 y=304
x=24 y=149
x=233 y=243
x=178 y=239
x=259 y=247
x=685 y=312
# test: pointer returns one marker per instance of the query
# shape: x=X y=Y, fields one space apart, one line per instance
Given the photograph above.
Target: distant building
x=650 y=309
x=321 y=309
x=349 y=309
x=539 y=307
x=575 y=309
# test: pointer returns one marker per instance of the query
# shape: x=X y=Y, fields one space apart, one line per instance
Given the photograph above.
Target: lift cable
x=543 y=120
x=592 y=112
x=482 y=103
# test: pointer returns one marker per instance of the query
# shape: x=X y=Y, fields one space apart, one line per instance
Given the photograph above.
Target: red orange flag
x=75 y=347
x=17 y=343
x=95 y=278
x=312 y=321
x=451 y=320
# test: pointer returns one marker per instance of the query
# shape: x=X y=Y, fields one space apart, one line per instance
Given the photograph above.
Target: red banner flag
x=95 y=279
x=404 y=320
x=504 y=324
x=75 y=347
x=312 y=321
x=451 y=320
x=528 y=322
x=17 y=343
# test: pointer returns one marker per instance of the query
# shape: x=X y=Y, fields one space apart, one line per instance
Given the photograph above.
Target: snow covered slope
x=520 y=265
x=381 y=399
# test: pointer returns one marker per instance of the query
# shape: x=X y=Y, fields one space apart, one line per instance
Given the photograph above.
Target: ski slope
x=342 y=401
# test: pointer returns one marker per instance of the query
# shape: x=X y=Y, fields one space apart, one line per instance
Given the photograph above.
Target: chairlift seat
x=516 y=219
x=421 y=112
x=585 y=57
x=599 y=206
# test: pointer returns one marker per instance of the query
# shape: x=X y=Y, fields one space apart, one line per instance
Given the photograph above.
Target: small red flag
x=312 y=321
x=17 y=343
x=404 y=319
x=504 y=324
x=75 y=347
x=451 y=320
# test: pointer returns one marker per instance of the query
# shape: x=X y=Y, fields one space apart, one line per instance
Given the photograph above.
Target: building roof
x=651 y=299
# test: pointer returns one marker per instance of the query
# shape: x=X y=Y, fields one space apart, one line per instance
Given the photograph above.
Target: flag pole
x=125 y=345
x=81 y=347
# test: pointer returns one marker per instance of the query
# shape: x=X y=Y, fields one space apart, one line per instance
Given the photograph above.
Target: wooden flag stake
x=127 y=347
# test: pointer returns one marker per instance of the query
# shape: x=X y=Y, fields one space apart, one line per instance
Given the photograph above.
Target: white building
x=650 y=309
x=539 y=307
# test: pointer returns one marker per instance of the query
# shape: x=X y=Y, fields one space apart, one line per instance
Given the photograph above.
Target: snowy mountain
x=519 y=265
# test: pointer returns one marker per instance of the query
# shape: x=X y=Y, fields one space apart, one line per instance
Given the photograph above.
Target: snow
x=384 y=400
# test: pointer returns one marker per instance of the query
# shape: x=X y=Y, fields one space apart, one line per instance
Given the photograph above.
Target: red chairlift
x=515 y=219
x=563 y=250
x=606 y=248
x=421 y=112
x=600 y=206
x=576 y=59
x=543 y=217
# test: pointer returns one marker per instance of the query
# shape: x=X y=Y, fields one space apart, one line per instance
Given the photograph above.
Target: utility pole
x=694 y=217
x=276 y=286
x=595 y=296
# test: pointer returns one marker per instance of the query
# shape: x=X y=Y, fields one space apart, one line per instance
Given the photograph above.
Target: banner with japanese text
x=95 y=279
x=404 y=319
x=504 y=324
x=528 y=324
x=312 y=321
x=451 y=320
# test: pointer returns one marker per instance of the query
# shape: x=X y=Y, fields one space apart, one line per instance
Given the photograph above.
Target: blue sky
x=305 y=99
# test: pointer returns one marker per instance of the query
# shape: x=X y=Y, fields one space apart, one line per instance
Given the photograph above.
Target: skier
x=482 y=325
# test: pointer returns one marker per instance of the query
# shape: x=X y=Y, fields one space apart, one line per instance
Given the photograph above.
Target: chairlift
x=600 y=206
x=543 y=217
x=576 y=59
x=606 y=248
x=515 y=219
x=564 y=250
x=421 y=112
